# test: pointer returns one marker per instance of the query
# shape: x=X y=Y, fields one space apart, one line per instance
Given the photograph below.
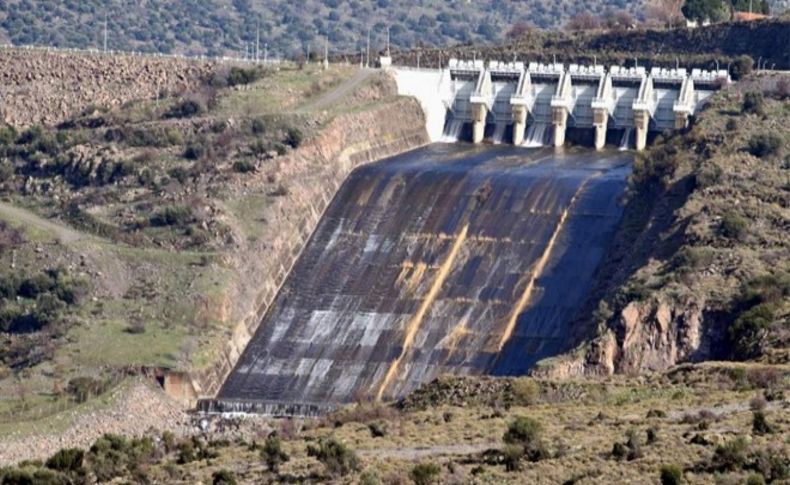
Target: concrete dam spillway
x=450 y=259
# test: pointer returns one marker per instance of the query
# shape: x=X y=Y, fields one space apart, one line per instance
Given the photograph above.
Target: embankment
x=311 y=176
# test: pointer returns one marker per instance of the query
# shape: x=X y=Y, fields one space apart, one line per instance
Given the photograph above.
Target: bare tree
x=518 y=31
x=583 y=21
x=665 y=12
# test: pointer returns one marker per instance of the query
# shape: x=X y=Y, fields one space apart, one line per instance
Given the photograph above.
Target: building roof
x=749 y=16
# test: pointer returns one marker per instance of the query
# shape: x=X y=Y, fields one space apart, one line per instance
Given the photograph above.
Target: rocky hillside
x=701 y=47
x=41 y=87
x=701 y=269
x=224 y=27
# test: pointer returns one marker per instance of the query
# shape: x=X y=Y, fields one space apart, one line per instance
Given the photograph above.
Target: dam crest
x=528 y=103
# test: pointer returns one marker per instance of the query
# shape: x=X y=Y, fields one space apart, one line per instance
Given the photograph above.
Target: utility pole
x=367 y=56
x=326 y=52
x=388 y=41
x=308 y=53
x=750 y=6
x=105 y=32
x=258 y=41
x=265 y=52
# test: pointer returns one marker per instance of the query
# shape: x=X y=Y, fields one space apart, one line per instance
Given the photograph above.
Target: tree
x=671 y=475
x=665 y=12
x=518 y=30
x=273 y=454
x=583 y=21
x=338 y=459
x=705 y=10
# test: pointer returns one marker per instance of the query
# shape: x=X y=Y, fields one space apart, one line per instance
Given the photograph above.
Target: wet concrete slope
x=448 y=259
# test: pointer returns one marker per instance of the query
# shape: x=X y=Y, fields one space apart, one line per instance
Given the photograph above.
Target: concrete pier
x=537 y=97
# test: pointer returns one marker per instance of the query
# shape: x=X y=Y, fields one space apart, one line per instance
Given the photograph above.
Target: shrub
x=742 y=67
x=294 y=137
x=67 y=460
x=425 y=473
x=619 y=451
x=526 y=391
x=173 y=215
x=671 y=475
x=747 y=333
x=184 y=109
x=258 y=126
x=338 y=459
x=238 y=75
x=733 y=226
x=243 y=166
x=194 y=151
x=512 y=455
x=764 y=145
x=753 y=103
x=8 y=135
x=84 y=387
x=377 y=429
x=760 y=424
x=656 y=413
x=652 y=435
x=223 y=477
x=273 y=454
x=523 y=431
x=755 y=479
x=730 y=456
x=732 y=124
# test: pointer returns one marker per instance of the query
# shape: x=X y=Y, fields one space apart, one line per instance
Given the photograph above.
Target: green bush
x=732 y=124
x=243 y=166
x=273 y=454
x=194 y=151
x=425 y=473
x=338 y=459
x=747 y=332
x=523 y=431
x=741 y=67
x=238 y=75
x=512 y=456
x=526 y=433
x=760 y=424
x=755 y=479
x=731 y=456
x=174 y=215
x=184 y=109
x=8 y=135
x=223 y=477
x=764 y=145
x=753 y=103
x=258 y=126
x=671 y=475
x=377 y=429
x=84 y=387
x=619 y=451
x=526 y=391
x=67 y=460
x=294 y=137
x=734 y=226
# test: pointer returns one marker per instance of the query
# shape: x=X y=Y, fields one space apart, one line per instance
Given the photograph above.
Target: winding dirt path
x=339 y=92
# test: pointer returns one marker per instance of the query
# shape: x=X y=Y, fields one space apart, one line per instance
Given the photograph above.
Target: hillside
x=224 y=27
x=704 y=47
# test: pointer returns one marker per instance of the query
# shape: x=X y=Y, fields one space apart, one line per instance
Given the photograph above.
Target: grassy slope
x=176 y=294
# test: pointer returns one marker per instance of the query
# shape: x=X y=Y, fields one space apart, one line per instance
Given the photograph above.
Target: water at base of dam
x=450 y=259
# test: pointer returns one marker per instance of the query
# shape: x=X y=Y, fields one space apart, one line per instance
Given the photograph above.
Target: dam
x=536 y=104
x=450 y=259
